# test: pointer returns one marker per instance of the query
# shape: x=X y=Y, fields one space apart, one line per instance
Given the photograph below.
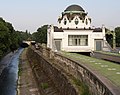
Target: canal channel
x=9 y=75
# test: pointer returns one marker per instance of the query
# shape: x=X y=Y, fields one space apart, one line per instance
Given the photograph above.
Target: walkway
x=26 y=82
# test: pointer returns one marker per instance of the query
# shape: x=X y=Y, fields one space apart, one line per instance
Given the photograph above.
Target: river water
x=9 y=76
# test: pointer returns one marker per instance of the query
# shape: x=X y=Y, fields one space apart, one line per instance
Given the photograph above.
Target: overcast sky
x=31 y=14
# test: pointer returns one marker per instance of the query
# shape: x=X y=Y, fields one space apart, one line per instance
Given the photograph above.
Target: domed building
x=74 y=32
x=74 y=17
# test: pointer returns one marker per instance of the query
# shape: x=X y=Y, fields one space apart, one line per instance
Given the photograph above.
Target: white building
x=74 y=32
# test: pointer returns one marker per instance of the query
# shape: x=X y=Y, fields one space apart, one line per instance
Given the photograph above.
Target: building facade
x=74 y=33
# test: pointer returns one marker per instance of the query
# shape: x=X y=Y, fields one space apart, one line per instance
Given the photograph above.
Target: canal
x=9 y=75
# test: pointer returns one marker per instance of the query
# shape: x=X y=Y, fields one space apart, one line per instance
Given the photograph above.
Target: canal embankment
x=100 y=77
x=26 y=82
x=65 y=74
x=52 y=79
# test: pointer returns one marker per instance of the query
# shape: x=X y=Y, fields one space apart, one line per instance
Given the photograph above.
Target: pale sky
x=31 y=14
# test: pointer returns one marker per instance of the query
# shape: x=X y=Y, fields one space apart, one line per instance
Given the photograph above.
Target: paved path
x=26 y=82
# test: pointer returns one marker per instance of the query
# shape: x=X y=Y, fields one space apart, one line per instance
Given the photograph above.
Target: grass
x=19 y=71
x=84 y=90
x=108 y=69
x=19 y=66
x=20 y=61
x=44 y=85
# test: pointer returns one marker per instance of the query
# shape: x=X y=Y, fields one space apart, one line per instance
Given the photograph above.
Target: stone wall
x=96 y=87
x=60 y=80
x=97 y=84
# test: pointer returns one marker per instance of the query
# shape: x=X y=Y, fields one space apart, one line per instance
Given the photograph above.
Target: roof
x=56 y=29
x=74 y=8
x=77 y=29
x=97 y=30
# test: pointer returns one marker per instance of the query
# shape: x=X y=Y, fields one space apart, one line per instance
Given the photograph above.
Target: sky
x=32 y=14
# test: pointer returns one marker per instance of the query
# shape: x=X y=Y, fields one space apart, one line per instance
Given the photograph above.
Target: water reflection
x=8 y=78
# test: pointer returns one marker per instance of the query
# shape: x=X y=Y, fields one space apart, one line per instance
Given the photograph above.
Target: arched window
x=65 y=21
x=76 y=21
x=86 y=22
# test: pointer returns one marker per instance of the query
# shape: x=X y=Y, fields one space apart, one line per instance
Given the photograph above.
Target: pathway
x=26 y=83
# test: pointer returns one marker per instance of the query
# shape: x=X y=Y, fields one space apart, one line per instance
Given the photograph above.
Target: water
x=9 y=76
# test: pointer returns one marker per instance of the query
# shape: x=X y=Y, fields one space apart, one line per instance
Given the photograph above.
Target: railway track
x=108 y=57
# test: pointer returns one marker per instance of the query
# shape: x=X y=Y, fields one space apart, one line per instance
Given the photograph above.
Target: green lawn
x=108 y=69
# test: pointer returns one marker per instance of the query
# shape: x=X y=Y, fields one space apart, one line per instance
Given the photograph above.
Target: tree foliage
x=41 y=34
x=5 y=37
x=9 y=38
x=117 y=31
x=109 y=37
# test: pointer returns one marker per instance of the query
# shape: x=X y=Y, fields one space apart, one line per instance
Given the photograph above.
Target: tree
x=113 y=34
x=41 y=34
x=9 y=38
x=117 y=31
x=4 y=37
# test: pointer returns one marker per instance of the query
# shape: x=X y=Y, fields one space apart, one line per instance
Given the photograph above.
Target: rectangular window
x=78 y=40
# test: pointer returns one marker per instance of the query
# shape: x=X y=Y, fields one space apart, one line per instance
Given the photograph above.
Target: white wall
x=92 y=36
x=77 y=48
x=58 y=35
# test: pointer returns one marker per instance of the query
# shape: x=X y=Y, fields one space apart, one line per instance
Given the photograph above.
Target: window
x=82 y=21
x=76 y=21
x=78 y=40
x=86 y=22
x=65 y=21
